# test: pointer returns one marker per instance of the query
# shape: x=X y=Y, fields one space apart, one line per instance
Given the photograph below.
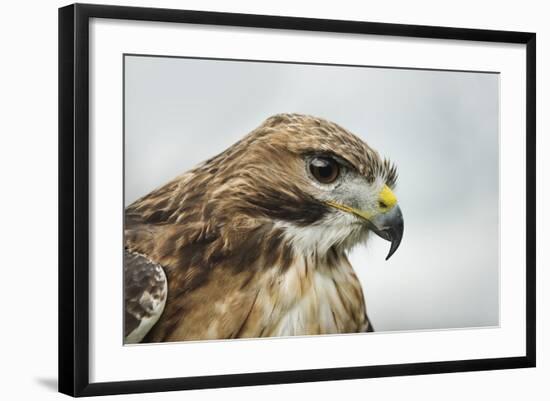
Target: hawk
x=253 y=242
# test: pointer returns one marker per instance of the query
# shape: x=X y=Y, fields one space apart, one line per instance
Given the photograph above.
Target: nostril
x=382 y=205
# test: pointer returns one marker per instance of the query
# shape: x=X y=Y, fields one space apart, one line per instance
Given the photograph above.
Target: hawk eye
x=325 y=169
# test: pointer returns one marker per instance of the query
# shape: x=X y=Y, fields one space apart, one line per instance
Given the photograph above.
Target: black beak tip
x=390 y=227
x=395 y=234
x=393 y=248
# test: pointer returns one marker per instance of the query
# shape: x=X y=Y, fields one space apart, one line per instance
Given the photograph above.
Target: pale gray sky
x=439 y=127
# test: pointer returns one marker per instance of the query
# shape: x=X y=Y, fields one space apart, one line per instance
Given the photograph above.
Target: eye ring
x=324 y=169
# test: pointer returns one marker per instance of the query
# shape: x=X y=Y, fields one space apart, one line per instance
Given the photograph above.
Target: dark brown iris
x=324 y=169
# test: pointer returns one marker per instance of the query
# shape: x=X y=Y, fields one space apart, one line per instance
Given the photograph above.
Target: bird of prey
x=253 y=242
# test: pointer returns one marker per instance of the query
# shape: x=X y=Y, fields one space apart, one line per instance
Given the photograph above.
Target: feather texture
x=229 y=236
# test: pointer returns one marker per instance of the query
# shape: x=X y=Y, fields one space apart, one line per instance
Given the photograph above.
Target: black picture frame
x=74 y=197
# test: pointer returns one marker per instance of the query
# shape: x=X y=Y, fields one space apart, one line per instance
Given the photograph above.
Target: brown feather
x=231 y=271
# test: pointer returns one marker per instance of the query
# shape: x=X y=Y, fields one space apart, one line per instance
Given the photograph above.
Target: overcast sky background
x=439 y=127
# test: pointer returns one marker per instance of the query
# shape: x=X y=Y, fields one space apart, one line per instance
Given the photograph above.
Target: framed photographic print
x=251 y=199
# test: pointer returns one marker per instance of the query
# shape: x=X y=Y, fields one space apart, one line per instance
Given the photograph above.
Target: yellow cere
x=387 y=198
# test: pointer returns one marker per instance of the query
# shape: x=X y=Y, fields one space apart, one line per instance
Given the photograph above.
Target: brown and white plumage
x=254 y=245
x=145 y=291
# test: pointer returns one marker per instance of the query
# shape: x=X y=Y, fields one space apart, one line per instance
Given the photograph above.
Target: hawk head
x=323 y=185
x=296 y=176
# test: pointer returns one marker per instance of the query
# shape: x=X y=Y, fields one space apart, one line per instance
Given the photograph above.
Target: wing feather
x=145 y=292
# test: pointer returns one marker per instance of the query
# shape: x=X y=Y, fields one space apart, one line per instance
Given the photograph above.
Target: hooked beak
x=389 y=226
